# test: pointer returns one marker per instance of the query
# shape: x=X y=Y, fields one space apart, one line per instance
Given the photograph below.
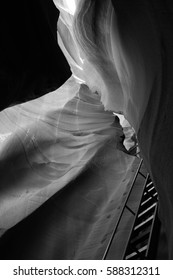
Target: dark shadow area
x=31 y=62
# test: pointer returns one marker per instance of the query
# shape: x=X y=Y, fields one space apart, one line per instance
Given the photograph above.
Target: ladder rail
x=122 y=211
x=150 y=222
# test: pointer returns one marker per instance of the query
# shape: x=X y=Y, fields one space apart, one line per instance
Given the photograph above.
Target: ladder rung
x=146 y=210
x=141 y=250
x=149 y=199
x=149 y=184
x=150 y=192
x=144 y=222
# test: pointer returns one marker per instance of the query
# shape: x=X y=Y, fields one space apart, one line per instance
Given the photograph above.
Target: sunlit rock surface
x=77 y=222
x=45 y=144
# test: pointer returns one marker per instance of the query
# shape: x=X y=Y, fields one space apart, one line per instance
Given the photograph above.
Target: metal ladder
x=143 y=237
x=145 y=232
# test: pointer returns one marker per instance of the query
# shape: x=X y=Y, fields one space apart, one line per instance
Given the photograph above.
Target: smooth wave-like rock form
x=46 y=143
x=76 y=222
x=117 y=67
